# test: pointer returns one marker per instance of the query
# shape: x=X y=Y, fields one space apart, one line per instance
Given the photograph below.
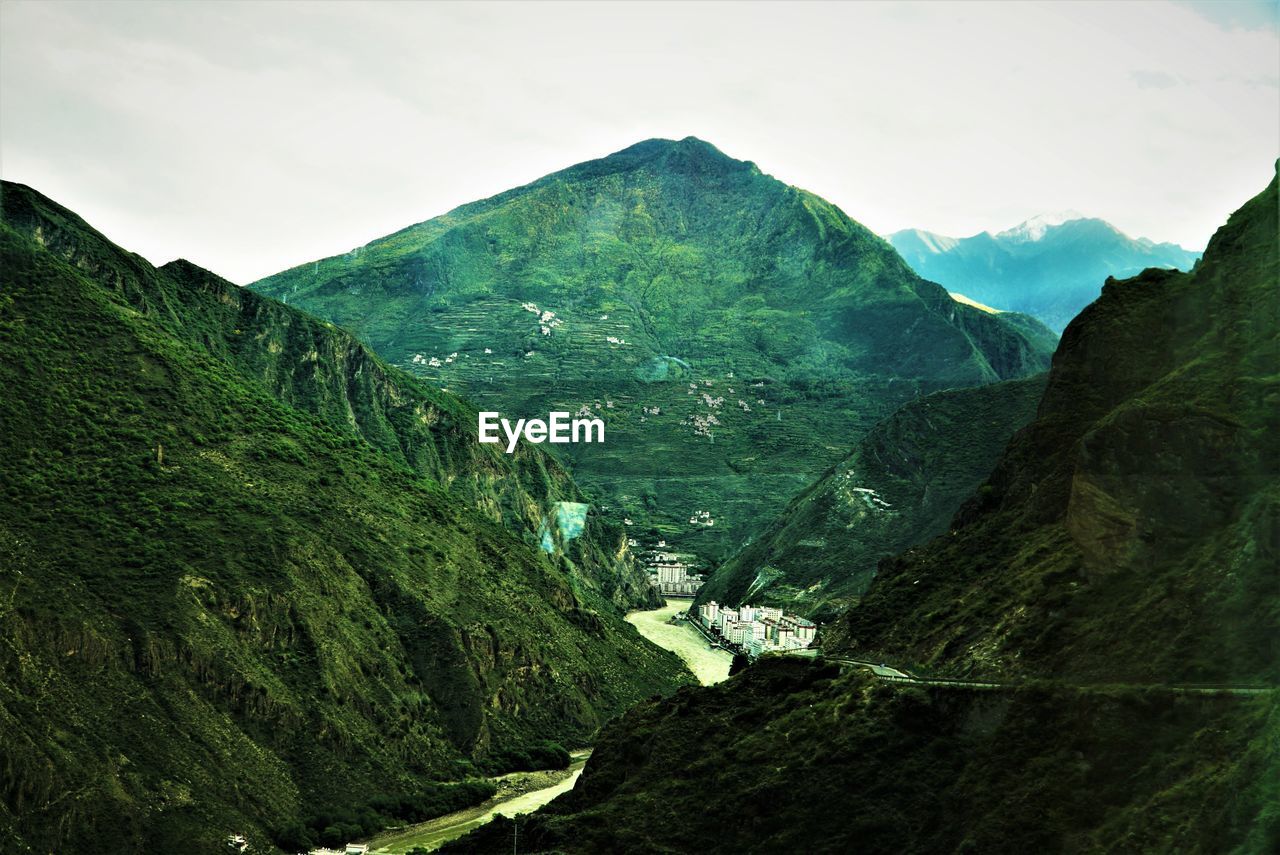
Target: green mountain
x=900 y=486
x=250 y=573
x=1134 y=522
x=795 y=756
x=1049 y=267
x=736 y=334
x=1124 y=550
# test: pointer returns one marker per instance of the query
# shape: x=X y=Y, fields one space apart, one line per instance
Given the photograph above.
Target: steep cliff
x=1130 y=533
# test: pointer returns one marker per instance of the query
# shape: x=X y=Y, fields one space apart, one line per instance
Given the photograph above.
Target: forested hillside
x=249 y=572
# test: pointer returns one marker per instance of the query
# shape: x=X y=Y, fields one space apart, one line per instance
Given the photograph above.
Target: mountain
x=900 y=486
x=792 y=755
x=1123 y=551
x=1137 y=513
x=251 y=573
x=1049 y=267
x=736 y=334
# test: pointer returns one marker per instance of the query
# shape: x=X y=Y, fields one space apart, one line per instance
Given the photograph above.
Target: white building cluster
x=758 y=629
x=672 y=574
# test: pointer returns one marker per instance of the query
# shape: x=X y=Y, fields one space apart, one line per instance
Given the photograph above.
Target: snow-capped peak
x=1034 y=228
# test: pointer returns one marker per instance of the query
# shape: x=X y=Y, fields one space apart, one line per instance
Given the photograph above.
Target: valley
x=390 y=616
x=518 y=793
x=631 y=428
x=1083 y=661
x=256 y=581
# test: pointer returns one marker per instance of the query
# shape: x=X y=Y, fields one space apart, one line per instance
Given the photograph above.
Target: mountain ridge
x=1172 y=371
x=900 y=486
x=1049 y=270
x=1118 y=563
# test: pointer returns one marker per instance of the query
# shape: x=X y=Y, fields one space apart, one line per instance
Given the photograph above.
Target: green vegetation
x=248 y=570
x=1124 y=546
x=1129 y=534
x=337 y=827
x=736 y=335
x=901 y=485
x=528 y=758
x=795 y=756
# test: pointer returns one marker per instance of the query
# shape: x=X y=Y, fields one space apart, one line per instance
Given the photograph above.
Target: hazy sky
x=252 y=137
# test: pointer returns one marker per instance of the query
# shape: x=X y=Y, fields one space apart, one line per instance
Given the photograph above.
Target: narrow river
x=709 y=665
x=436 y=832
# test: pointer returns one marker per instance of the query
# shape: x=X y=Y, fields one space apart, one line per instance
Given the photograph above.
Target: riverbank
x=518 y=792
x=709 y=665
x=524 y=792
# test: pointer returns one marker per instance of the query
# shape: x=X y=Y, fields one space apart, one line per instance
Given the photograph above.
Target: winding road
x=886 y=672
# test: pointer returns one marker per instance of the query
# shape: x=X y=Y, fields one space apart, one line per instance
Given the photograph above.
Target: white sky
x=249 y=138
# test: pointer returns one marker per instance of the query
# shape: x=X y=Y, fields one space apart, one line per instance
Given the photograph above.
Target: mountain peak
x=1034 y=229
x=682 y=153
x=663 y=145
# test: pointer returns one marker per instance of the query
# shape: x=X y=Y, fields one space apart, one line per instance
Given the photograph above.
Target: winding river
x=433 y=833
x=707 y=664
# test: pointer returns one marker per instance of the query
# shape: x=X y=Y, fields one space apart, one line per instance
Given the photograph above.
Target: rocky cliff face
x=250 y=571
x=735 y=334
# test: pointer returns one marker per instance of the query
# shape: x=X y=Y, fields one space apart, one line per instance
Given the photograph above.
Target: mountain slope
x=796 y=756
x=900 y=486
x=735 y=333
x=1048 y=267
x=1126 y=544
x=1138 y=512
x=251 y=572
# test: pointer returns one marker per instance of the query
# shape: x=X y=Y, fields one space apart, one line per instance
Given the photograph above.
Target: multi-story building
x=758 y=629
x=672 y=574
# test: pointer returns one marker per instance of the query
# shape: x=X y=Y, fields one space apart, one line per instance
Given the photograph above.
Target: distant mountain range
x=735 y=333
x=1050 y=266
